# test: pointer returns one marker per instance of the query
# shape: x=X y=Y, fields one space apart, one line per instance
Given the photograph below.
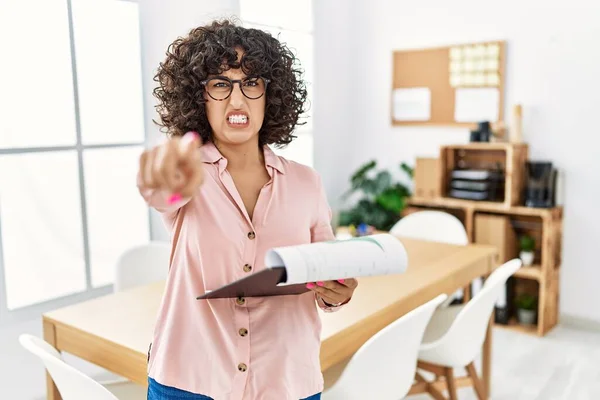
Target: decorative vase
x=526 y=317
x=526 y=257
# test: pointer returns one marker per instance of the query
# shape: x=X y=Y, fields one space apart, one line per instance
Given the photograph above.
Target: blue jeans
x=157 y=391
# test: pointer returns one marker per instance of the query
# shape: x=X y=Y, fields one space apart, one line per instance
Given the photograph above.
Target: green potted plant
x=527 y=247
x=526 y=308
x=382 y=199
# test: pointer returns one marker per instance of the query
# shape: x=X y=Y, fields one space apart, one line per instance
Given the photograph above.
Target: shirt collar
x=211 y=155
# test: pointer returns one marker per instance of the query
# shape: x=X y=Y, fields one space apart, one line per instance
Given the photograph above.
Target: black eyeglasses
x=219 y=88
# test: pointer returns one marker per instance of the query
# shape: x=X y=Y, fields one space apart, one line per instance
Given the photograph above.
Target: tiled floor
x=564 y=365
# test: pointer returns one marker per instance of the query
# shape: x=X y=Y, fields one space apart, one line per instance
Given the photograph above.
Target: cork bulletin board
x=456 y=85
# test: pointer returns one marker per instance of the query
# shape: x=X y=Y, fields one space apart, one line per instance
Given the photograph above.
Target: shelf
x=482 y=206
x=513 y=325
x=530 y=272
x=486 y=146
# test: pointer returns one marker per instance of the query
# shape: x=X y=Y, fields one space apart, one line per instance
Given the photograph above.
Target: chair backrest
x=436 y=226
x=463 y=341
x=384 y=367
x=71 y=383
x=142 y=265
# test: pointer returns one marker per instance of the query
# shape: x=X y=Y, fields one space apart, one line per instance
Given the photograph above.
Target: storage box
x=497 y=230
x=504 y=160
x=427 y=178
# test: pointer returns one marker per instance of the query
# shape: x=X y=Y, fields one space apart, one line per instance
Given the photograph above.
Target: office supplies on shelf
x=540 y=186
x=501 y=165
x=516 y=124
x=289 y=268
x=477 y=184
x=483 y=133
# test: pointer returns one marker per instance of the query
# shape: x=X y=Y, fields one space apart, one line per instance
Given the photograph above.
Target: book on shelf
x=288 y=269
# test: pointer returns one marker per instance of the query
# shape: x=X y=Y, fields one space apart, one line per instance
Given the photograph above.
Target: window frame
x=10 y=317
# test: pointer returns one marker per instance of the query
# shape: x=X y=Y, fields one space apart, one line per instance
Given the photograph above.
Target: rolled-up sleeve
x=321 y=229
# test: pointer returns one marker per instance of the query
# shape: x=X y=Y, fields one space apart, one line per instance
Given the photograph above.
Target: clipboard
x=259 y=284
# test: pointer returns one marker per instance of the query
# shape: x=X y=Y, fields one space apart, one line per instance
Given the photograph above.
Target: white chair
x=73 y=384
x=137 y=266
x=455 y=334
x=142 y=265
x=435 y=226
x=384 y=367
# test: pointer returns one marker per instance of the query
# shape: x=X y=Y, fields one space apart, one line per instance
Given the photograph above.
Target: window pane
x=37 y=84
x=108 y=71
x=295 y=16
x=300 y=150
x=40 y=218
x=117 y=215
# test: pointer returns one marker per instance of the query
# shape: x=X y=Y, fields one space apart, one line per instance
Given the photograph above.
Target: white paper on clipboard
x=411 y=104
x=476 y=104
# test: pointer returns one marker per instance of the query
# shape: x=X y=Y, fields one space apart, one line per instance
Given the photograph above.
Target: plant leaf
x=391 y=200
x=383 y=180
x=359 y=175
x=369 y=186
x=408 y=169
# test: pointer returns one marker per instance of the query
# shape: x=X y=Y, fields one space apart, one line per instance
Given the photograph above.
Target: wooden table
x=114 y=331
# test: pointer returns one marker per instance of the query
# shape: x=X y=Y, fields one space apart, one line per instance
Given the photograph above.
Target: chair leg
x=424 y=386
x=436 y=394
x=451 y=383
x=477 y=385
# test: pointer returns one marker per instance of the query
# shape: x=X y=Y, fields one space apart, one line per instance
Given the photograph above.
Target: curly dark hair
x=211 y=49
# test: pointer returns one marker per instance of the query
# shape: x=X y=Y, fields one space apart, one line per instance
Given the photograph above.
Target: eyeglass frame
x=233 y=82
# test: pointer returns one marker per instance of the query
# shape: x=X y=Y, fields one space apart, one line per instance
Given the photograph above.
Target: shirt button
x=247 y=268
x=242 y=367
x=243 y=331
x=240 y=300
x=251 y=235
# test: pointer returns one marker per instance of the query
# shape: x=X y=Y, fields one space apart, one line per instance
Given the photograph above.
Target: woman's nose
x=237 y=97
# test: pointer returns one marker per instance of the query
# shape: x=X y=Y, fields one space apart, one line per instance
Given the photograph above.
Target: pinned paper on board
x=411 y=104
x=476 y=104
x=475 y=65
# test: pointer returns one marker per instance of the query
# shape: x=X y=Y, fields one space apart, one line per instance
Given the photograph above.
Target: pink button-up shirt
x=255 y=349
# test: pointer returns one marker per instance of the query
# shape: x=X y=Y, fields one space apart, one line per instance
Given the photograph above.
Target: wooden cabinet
x=482 y=220
x=427 y=177
x=506 y=158
x=497 y=231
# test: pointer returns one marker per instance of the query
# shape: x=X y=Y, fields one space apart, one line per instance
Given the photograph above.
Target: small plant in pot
x=526 y=308
x=527 y=247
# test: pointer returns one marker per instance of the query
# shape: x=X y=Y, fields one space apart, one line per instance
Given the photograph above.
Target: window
x=291 y=23
x=71 y=133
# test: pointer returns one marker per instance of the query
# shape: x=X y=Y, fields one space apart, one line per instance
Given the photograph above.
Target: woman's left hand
x=334 y=292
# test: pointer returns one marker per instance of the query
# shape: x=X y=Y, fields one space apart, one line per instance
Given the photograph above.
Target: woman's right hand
x=174 y=166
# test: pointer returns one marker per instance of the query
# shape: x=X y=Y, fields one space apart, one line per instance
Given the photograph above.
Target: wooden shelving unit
x=515 y=326
x=532 y=272
x=506 y=157
x=545 y=224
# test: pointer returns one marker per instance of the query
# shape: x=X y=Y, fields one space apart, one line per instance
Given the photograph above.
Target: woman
x=226 y=199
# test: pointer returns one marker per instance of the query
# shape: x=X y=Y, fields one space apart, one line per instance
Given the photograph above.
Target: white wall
x=161 y=22
x=335 y=97
x=553 y=69
x=553 y=62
